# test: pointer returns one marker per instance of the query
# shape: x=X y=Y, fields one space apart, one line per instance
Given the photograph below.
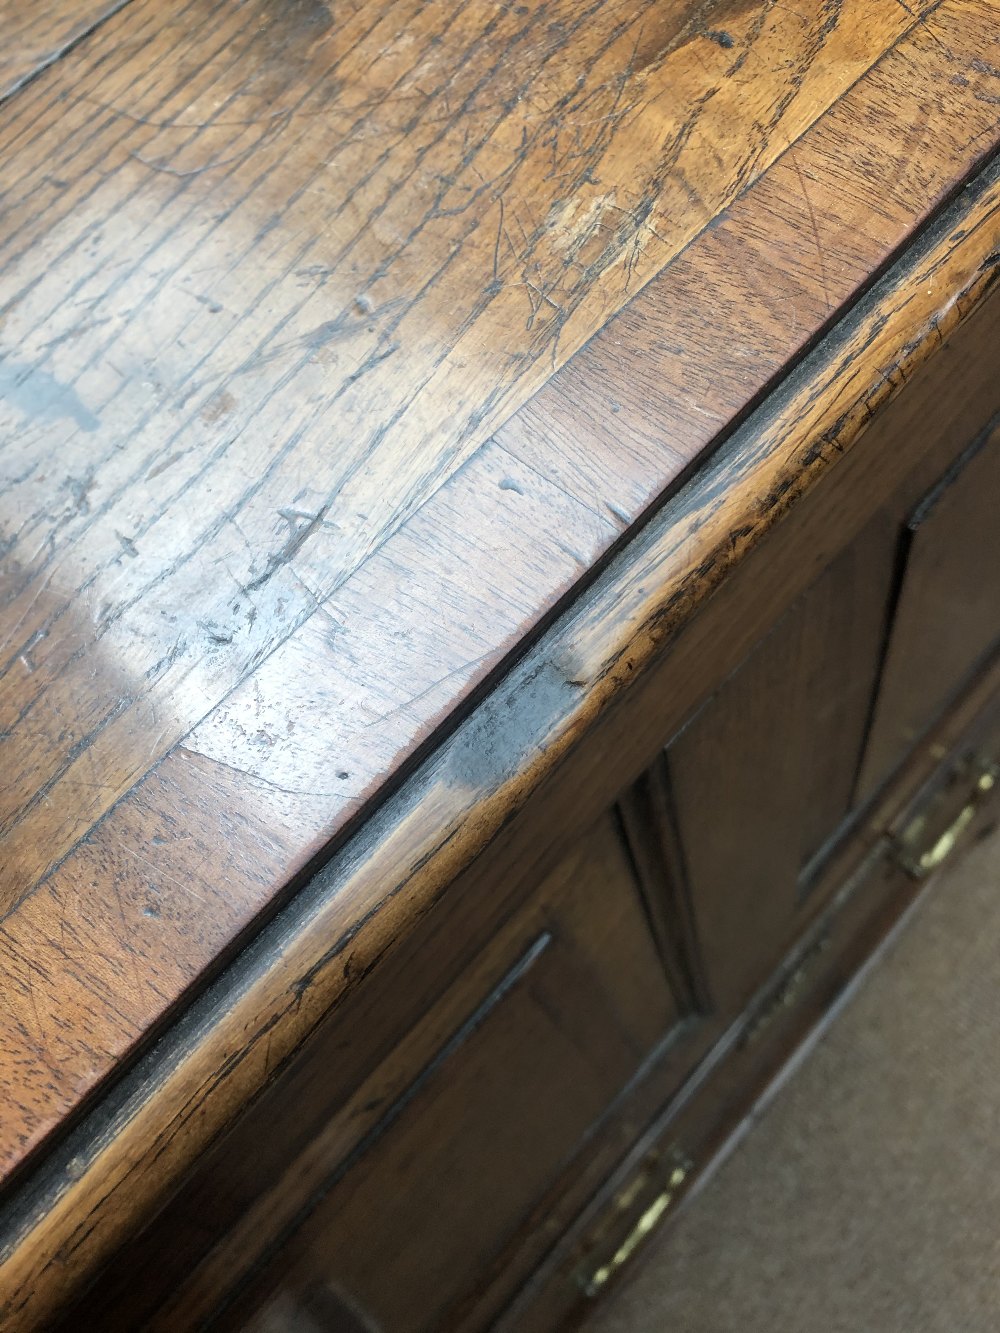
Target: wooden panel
x=499 y=794
x=272 y=560
x=559 y=1032
x=763 y=775
x=869 y=891
x=948 y=613
x=455 y=1166
x=40 y=32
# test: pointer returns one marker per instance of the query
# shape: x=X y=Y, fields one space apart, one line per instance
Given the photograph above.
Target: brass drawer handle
x=669 y=1176
x=920 y=857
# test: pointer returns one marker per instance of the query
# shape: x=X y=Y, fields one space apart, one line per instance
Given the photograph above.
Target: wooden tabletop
x=338 y=345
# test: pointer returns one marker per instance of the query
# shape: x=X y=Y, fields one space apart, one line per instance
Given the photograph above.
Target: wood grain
x=269 y=280
x=186 y=729
x=38 y=34
x=462 y=805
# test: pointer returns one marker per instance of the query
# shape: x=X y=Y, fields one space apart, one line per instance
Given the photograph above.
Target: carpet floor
x=866 y=1199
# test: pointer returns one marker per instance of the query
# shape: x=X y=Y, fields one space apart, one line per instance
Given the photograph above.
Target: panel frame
x=904 y=709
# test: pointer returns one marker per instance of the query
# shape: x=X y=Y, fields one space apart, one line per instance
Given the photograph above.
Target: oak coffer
x=500 y=613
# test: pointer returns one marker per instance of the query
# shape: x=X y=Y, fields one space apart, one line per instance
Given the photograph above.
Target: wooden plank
x=38 y=34
x=484 y=805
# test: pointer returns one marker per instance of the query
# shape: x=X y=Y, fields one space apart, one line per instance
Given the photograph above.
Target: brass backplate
x=933 y=834
x=635 y=1211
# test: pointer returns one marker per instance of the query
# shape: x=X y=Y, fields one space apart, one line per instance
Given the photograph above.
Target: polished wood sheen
x=166 y=1113
x=383 y=391
x=264 y=568
x=301 y=339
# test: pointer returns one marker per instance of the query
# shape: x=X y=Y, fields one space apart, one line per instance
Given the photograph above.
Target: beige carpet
x=867 y=1197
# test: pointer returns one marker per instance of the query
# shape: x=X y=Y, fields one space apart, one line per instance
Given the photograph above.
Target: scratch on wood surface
x=252 y=776
x=824 y=282
x=442 y=680
x=573 y=223
x=166 y=168
x=27 y=611
x=299 y=535
x=160 y=874
x=921 y=21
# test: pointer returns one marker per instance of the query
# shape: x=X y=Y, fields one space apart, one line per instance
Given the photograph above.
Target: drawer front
x=948 y=614
x=647 y=1190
